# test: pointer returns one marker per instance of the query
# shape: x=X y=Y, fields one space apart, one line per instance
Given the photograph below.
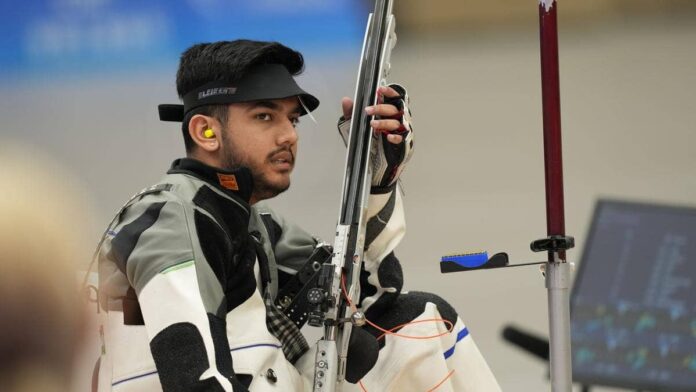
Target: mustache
x=281 y=150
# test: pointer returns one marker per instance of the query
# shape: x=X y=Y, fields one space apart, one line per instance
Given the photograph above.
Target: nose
x=288 y=133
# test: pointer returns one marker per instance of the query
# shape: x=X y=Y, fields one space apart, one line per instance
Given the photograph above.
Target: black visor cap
x=265 y=82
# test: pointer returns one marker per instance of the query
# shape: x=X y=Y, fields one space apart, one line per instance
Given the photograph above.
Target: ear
x=198 y=125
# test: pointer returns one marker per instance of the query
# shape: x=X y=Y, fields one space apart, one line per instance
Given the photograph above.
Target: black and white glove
x=392 y=143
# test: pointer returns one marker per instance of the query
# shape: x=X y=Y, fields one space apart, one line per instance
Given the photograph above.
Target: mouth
x=283 y=160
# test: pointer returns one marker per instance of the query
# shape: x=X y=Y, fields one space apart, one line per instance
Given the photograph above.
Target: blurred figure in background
x=40 y=316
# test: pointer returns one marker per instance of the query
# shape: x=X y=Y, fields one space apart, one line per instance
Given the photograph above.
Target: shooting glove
x=388 y=159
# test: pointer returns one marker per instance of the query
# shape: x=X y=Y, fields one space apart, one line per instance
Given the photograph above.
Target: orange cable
x=391 y=332
x=362 y=386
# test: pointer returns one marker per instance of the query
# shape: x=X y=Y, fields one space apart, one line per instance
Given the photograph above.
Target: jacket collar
x=237 y=182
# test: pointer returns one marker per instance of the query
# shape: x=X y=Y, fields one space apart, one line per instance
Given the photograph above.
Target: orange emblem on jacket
x=228 y=181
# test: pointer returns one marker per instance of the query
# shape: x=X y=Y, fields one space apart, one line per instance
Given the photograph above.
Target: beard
x=264 y=188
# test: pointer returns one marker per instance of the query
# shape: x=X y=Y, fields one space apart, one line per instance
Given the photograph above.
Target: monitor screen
x=633 y=305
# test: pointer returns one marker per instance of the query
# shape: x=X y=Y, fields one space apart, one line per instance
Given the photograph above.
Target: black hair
x=227 y=61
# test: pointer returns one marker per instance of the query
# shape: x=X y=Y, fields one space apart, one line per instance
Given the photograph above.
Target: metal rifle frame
x=332 y=309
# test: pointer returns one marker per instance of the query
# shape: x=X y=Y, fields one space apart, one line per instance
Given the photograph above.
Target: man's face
x=261 y=136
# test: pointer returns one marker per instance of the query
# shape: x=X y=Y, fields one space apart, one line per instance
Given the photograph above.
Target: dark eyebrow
x=274 y=106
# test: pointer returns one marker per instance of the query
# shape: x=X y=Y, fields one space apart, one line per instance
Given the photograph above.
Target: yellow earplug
x=209 y=133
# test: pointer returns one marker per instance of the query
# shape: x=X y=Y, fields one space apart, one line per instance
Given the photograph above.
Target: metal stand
x=557 y=273
x=557 y=284
x=557 y=269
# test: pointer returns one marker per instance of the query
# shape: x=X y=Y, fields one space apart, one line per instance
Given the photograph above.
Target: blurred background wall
x=81 y=79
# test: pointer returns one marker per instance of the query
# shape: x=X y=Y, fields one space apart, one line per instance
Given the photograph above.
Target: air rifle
x=339 y=280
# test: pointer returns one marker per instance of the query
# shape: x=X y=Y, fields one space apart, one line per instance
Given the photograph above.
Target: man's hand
x=393 y=134
x=390 y=115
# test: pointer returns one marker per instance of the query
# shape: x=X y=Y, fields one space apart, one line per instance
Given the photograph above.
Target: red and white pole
x=551 y=101
x=557 y=269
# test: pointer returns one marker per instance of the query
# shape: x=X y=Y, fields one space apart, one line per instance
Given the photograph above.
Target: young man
x=190 y=267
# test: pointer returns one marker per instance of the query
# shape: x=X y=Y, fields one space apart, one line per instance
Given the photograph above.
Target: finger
x=347 y=105
x=386 y=125
x=388 y=92
x=395 y=139
x=384 y=110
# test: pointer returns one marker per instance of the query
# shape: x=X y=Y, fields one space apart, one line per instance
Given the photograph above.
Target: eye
x=264 y=117
x=295 y=121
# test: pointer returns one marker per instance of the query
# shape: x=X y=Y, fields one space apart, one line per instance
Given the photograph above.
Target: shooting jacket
x=185 y=289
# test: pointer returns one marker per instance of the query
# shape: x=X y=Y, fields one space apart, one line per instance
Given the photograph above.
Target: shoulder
x=151 y=233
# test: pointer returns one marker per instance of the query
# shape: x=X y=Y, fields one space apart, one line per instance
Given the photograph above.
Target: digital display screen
x=633 y=305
